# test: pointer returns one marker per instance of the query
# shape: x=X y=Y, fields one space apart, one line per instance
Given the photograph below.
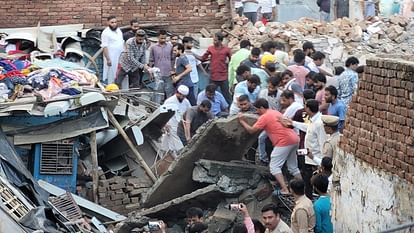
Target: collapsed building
x=105 y=146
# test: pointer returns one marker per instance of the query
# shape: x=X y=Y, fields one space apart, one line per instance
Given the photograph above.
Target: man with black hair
x=236 y=59
x=249 y=87
x=219 y=55
x=298 y=69
x=192 y=119
x=182 y=72
x=336 y=106
x=258 y=226
x=134 y=26
x=322 y=206
x=288 y=104
x=112 y=43
x=324 y=9
x=308 y=49
x=243 y=106
x=303 y=215
x=318 y=59
x=280 y=54
x=272 y=220
x=194 y=215
x=161 y=56
x=301 y=116
x=320 y=91
x=348 y=80
x=315 y=133
x=243 y=73
x=194 y=62
x=268 y=47
x=253 y=60
x=132 y=60
x=285 y=142
x=219 y=105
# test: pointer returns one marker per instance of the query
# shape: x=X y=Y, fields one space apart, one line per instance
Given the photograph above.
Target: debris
x=230 y=142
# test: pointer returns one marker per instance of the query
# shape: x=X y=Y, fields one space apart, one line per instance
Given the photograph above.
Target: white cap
x=182 y=89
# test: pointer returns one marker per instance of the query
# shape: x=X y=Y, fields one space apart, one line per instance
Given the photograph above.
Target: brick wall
x=180 y=15
x=380 y=122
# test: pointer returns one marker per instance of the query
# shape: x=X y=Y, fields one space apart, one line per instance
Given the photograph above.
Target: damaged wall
x=181 y=16
x=376 y=158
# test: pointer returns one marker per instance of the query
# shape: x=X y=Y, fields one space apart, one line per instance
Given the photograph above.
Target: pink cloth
x=299 y=72
x=249 y=224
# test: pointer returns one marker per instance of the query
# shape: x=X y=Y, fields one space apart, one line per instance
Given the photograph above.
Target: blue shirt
x=347 y=85
x=218 y=104
x=322 y=208
x=242 y=89
x=338 y=109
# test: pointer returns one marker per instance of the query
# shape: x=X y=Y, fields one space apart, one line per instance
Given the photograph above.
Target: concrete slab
x=205 y=198
x=231 y=177
x=220 y=139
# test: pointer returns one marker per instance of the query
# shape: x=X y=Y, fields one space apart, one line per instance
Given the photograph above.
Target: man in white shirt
x=317 y=62
x=268 y=9
x=112 y=42
x=180 y=104
x=194 y=62
x=315 y=132
x=250 y=8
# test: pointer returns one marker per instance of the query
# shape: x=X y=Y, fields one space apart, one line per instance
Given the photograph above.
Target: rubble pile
x=336 y=39
x=122 y=194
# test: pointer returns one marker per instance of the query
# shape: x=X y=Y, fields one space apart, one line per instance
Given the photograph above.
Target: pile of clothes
x=21 y=77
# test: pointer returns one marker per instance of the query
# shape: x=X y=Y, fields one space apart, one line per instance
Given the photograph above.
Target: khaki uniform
x=330 y=145
x=302 y=214
x=282 y=227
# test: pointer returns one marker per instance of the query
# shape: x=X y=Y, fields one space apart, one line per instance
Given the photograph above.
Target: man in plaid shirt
x=132 y=60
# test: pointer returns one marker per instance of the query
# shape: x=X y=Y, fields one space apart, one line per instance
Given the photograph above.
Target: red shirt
x=278 y=134
x=218 y=61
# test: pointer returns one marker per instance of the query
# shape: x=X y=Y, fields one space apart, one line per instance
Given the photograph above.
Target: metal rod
x=95 y=176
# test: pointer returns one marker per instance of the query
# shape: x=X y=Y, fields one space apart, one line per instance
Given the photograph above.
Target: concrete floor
x=295 y=9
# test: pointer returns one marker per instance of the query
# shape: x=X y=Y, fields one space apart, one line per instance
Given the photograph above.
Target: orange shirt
x=278 y=134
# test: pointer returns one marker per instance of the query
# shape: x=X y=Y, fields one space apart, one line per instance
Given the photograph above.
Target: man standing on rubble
x=112 y=43
x=250 y=8
x=285 y=142
x=180 y=104
x=249 y=87
x=268 y=9
x=237 y=58
x=348 y=80
x=133 y=60
x=219 y=56
x=161 y=56
x=194 y=62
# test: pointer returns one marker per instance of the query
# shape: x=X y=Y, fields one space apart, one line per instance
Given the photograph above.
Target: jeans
x=134 y=77
x=224 y=89
x=239 y=11
x=191 y=97
x=252 y=16
x=195 y=90
x=262 y=147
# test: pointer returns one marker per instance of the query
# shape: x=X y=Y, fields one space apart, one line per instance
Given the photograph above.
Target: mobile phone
x=302 y=152
x=234 y=207
x=154 y=226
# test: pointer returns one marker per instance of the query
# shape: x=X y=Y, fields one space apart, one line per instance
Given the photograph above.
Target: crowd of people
x=301 y=106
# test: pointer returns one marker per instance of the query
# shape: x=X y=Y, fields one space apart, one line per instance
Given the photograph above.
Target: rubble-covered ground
x=338 y=39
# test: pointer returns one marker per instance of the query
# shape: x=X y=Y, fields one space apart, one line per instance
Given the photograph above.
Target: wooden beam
x=95 y=167
x=131 y=145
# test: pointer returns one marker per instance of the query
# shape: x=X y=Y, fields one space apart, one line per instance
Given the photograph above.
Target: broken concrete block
x=231 y=142
x=222 y=219
x=231 y=177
